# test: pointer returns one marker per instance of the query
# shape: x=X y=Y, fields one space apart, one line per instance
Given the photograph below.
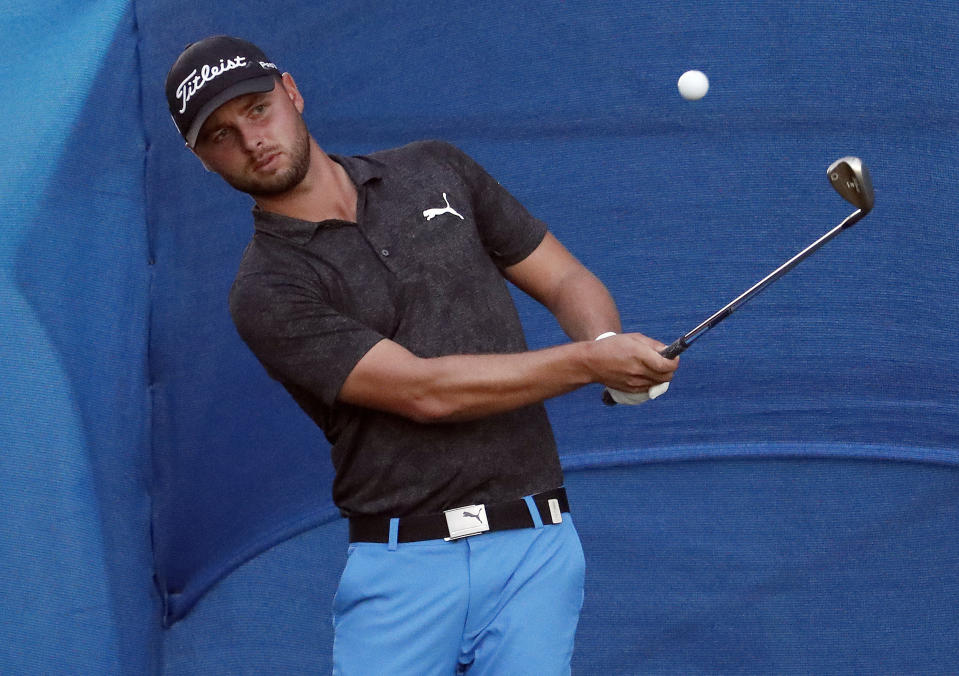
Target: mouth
x=266 y=162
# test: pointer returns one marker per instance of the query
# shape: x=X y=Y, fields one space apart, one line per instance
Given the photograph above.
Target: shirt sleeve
x=509 y=232
x=299 y=338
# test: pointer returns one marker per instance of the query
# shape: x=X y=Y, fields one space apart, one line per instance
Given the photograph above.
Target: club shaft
x=687 y=339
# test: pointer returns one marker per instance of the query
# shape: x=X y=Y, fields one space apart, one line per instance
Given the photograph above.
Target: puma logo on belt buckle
x=465 y=521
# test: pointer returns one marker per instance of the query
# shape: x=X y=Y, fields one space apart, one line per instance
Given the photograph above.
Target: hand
x=646 y=375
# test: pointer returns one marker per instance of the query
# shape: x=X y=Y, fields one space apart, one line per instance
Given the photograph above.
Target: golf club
x=850 y=177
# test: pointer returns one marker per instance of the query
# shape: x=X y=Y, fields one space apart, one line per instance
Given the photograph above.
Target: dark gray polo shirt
x=422 y=269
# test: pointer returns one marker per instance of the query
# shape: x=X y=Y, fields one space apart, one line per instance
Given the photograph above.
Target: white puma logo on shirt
x=430 y=214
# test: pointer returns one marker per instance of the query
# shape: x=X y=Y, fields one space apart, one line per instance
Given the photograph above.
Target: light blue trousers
x=497 y=604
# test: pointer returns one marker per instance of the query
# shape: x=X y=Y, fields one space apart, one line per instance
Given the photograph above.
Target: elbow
x=391 y=380
x=430 y=410
x=429 y=399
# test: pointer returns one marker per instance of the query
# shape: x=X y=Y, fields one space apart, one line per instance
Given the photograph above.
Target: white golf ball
x=693 y=85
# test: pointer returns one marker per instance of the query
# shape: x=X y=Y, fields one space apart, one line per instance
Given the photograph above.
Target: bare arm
x=579 y=301
x=462 y=387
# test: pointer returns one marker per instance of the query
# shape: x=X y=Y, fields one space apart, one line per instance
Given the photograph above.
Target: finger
x=658 y=364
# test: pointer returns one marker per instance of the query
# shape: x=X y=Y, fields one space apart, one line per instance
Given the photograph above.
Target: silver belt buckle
x=465 y=521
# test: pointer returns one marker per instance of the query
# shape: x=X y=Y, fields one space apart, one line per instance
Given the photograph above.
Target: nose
x=250 y=138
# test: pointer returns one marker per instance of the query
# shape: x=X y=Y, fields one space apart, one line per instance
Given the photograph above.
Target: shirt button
x=385 y=252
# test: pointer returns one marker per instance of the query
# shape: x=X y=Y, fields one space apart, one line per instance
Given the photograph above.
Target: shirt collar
x=361 y=171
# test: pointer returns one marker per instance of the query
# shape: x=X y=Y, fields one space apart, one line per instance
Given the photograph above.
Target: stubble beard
x=283 y=180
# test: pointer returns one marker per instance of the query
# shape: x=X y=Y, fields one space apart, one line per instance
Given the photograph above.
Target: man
x=374 y=291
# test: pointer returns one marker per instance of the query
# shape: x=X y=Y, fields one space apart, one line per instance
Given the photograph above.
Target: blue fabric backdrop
x=75 y=552
x=787 y=507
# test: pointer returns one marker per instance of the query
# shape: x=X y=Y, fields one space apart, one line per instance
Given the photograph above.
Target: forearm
x=579 y=301
x=584 y=307
x=463 y=387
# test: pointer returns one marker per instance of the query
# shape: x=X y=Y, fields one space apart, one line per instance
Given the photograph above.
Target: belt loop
x=534 y=511
x=394 y=534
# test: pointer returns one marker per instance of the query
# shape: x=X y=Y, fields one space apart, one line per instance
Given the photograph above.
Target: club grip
x=675 y=349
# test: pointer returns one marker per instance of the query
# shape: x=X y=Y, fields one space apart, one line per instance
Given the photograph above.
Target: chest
x=413 y=268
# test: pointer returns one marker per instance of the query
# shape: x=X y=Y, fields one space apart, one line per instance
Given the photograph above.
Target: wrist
x=592 y=357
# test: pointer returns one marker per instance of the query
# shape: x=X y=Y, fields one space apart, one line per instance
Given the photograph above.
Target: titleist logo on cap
x=210 y=72
x=195 y=81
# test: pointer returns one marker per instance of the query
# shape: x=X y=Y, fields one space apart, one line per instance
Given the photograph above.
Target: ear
x=291 y=90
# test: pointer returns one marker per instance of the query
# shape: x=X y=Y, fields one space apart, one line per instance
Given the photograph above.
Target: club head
x=850 y=178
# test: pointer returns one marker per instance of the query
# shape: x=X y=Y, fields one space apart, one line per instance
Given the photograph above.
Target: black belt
x=500 y=516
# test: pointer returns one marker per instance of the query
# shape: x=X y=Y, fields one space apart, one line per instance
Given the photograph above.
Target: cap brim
x=254 y=85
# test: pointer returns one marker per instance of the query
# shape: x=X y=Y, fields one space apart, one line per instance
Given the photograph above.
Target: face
x=258 y=143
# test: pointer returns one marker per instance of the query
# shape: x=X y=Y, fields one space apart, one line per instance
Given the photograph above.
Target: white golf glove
x=633 y=398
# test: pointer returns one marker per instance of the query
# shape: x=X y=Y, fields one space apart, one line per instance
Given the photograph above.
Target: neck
x=326 y=192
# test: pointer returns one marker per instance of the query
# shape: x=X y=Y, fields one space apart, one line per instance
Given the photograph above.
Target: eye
x=219 y=135
x=259 y=109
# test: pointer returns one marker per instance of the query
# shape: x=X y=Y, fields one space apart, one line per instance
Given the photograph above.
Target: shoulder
x=269 y=270
x=420 y=152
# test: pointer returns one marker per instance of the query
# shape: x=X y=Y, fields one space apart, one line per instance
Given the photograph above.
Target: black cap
x=211 y=72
